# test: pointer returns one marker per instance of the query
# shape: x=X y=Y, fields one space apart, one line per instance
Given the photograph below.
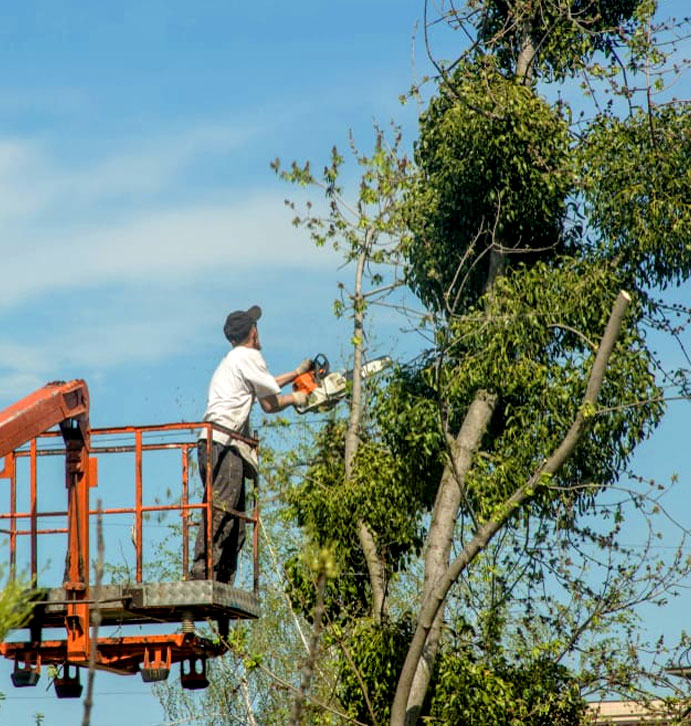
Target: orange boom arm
x=55 y=403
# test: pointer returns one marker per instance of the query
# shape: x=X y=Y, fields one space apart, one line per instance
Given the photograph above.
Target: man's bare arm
x=275 y=403
x=285 y=378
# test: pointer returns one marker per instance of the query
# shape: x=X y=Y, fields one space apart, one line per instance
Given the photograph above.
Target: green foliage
x=378 y=493
x=378 y=651
x=532 y=342
x=467 y=688
x=494 y=174
x=325 y=507
x=15 y=608
x=498 y=693
x=15 y=605
x=533 y=345
x=353 y=226
x=407 y=412
x=564 y=41
x=636 y=181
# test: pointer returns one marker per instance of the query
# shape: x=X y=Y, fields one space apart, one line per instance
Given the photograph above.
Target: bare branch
x=96 y=621
x=308 y=667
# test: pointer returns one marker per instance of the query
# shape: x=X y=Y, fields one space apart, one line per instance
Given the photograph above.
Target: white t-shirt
x=240 y=377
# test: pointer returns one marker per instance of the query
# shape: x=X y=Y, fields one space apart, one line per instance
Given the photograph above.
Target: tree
x=15 y=608
x=517 y=227
x=473 y=504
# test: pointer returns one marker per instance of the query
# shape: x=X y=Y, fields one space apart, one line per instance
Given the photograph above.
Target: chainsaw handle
x=320 y=366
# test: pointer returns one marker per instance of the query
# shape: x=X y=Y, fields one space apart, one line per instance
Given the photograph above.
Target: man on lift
x=240 y=378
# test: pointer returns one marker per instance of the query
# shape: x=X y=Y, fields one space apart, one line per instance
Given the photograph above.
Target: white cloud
x=111 y=333
x=20 y=356
x=34 y=182
x=158 y=246
x=80 y=294
x=50 y=241
x=18 y=383
x=153 y=166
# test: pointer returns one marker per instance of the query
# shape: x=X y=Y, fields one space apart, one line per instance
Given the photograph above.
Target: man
x=240 y=378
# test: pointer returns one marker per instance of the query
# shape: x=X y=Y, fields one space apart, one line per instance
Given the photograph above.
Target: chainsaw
x=325 y=388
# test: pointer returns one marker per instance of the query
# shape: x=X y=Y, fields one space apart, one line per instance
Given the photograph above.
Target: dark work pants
x=227 y=530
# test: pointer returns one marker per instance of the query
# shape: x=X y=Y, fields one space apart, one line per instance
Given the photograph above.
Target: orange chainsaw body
x=312 y=379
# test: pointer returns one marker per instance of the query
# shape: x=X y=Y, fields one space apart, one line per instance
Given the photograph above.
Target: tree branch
x=352 y=438
x=520 y=497
x=308 y=667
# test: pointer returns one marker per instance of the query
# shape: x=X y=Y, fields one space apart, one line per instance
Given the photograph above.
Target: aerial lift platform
x=28 y=431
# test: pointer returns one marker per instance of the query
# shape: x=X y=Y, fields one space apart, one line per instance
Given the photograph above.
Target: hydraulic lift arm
x=66 y=404
x=63 y=404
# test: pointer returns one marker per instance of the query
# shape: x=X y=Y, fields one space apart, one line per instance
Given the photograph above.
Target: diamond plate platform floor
x=136 y=603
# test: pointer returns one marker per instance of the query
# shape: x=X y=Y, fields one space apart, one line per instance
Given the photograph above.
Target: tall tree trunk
x=375 y=567
x=497 y=267
x=446 y=507
x=440 y=537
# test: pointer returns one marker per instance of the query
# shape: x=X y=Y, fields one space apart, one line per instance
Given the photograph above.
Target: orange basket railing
x=137 y=440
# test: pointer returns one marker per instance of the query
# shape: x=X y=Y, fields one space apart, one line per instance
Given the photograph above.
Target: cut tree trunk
x=440 y=537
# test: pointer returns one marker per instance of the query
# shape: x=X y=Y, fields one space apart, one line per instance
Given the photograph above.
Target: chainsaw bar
x=333 y=387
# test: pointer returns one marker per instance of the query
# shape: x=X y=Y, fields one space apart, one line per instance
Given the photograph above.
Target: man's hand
x=285 y=378
x=299 y=398
x=305 y=366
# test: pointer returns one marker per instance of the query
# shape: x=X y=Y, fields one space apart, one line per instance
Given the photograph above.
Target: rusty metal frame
x=139 y=509
x=118 y=655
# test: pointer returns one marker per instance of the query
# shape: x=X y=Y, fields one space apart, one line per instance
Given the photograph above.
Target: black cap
x=239 y=323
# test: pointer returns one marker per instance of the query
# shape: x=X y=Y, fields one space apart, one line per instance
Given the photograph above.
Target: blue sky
x=137 y=206
x=136 y=200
